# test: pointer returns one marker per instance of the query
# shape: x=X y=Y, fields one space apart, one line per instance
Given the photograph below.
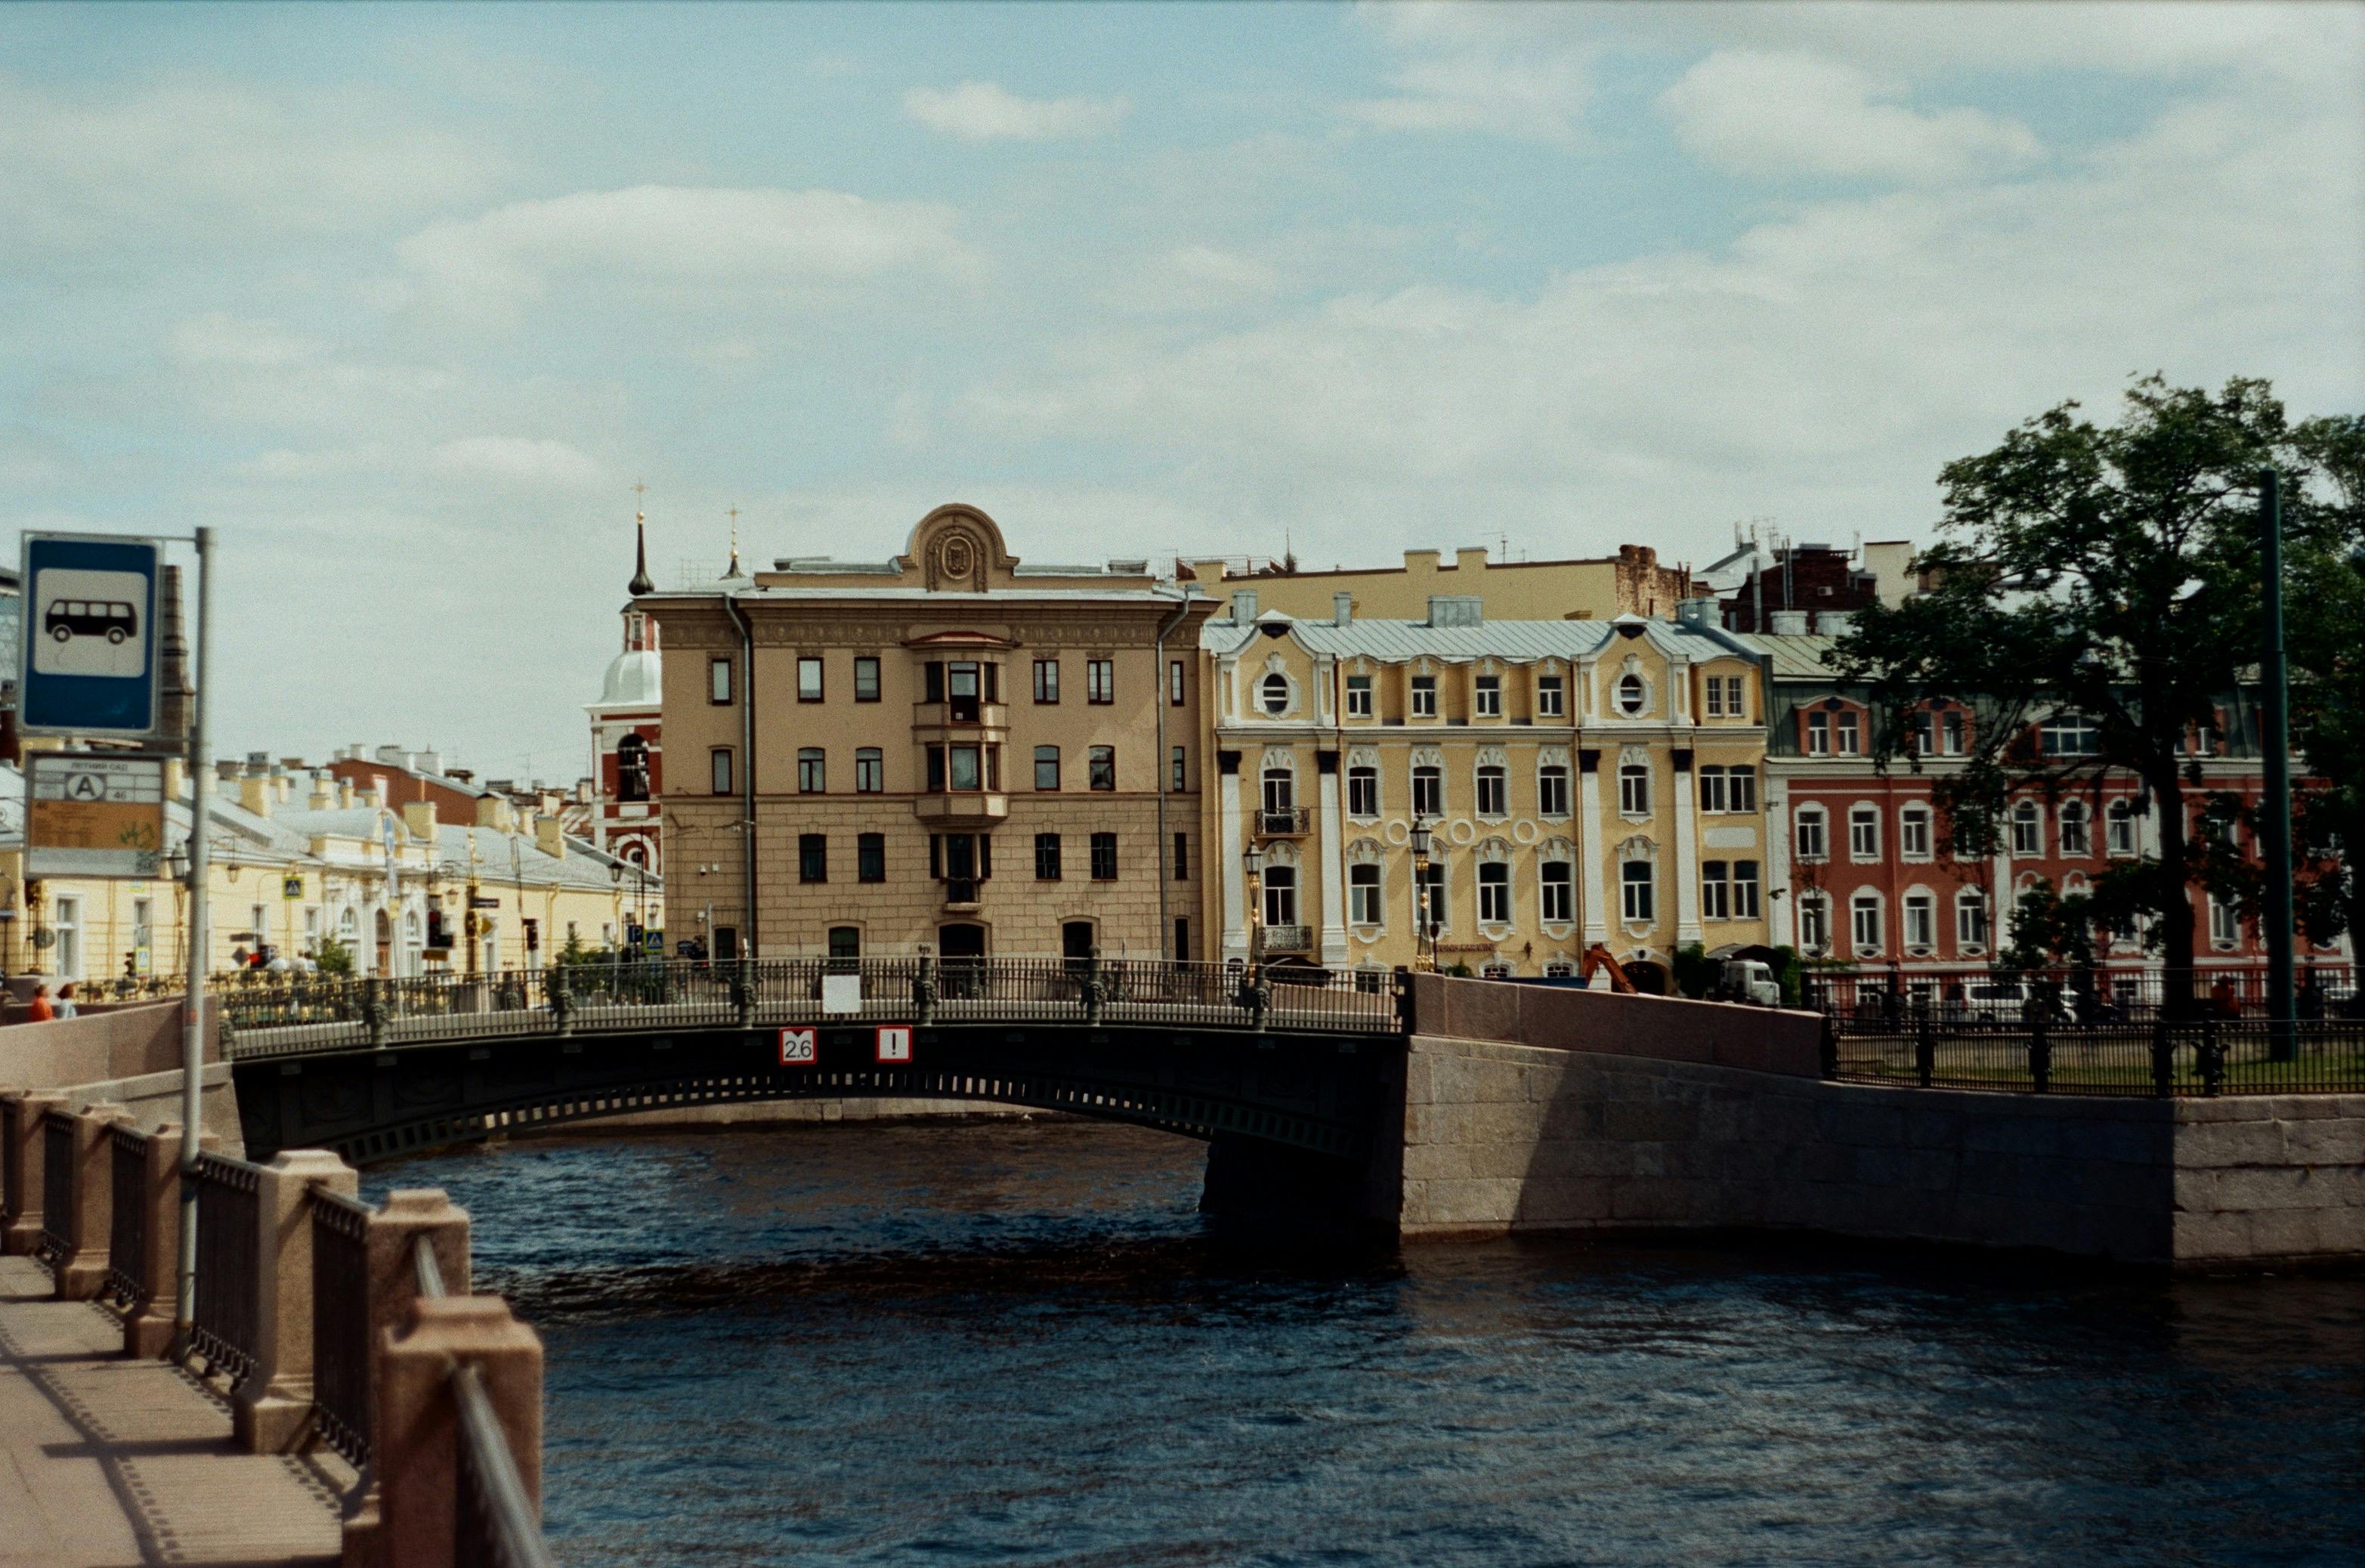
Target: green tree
x=2102 y=575
x=2325 y=636
x=334 y=957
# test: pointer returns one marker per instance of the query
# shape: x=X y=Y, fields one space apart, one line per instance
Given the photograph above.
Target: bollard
x=419 y=1465
x=84 y=1222
x=148 y=1325
x=272 y=1410
x=21 y=1112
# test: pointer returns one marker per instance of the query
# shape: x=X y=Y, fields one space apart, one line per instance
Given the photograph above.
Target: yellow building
x=1631 y=582
x=949 y=749
x=1582 y=782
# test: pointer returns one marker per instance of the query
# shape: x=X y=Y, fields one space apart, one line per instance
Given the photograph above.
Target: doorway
x=963 y=947
x=384 y=944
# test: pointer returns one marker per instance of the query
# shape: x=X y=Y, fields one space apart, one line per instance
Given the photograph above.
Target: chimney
x=345 y=794
x=1470 y=559
x=394 y=756
x=1342 y=607
x=1788 y=623
x=324 y=792
x=1244 y=606
x=1456 y=610
x=548 y=838
x=225 y=769
x=254 y=793
x=430 y=762
x=1697 y=611
x=282 y=785
x=1832 y=623
x=418 y=816
x=494 y=812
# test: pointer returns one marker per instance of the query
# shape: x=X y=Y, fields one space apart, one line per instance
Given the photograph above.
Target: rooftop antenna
x=639 y=584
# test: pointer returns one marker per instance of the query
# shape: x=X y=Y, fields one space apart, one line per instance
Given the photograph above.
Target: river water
x=908 y=1344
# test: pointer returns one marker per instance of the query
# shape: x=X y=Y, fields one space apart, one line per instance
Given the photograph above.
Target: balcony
x=1285 y=939
x=963 y=808
x=960 y=718
x=1287 y=822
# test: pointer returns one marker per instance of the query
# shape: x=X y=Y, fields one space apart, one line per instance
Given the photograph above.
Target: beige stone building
x=1631 y=582
x=950 y=748
x=1582 y=781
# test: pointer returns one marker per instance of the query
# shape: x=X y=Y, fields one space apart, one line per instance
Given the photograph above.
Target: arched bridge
x=1281 y=1064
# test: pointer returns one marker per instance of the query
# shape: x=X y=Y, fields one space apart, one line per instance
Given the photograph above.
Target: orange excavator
x=1597 y=957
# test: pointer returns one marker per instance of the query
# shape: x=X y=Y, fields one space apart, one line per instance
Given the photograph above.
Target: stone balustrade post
x=21 y=1111
x=394 y=1231
x=88 y=1213
x=271 y=1411
x=148 y=1325
x=419 y=1465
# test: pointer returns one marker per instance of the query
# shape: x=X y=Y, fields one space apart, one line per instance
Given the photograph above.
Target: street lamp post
x=468 y=924
x=1253 y=858
x=1423 y=939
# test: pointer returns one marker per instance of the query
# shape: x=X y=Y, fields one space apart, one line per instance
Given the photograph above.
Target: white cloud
x=1485 y=69
x=985 y=111
x=1193 y=277
x=221 y=338
x=516 y=459
x=1799 y=114
x=780 y=239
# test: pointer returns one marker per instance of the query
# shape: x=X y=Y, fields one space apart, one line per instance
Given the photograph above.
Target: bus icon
x=69 y=618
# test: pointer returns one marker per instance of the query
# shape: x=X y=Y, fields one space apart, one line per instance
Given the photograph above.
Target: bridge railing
x=282 y=1015
x=226 y=1331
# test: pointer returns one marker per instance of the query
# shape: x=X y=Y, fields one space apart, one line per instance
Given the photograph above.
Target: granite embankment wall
x=128 y=1056
x=1714 y=1118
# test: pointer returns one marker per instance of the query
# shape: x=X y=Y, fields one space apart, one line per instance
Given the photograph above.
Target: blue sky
x=403 y=300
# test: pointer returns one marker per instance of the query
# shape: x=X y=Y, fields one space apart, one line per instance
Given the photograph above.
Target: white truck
x=1750 y=980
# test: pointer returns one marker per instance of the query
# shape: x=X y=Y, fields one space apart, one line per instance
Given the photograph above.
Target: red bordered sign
x=798 y=1048
x=894 y=1041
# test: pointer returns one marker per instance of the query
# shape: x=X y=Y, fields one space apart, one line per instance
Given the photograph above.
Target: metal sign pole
x=192 y=1037
x=2278 y=914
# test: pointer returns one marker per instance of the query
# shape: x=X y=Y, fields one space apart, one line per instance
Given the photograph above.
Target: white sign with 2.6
x=798 y=1048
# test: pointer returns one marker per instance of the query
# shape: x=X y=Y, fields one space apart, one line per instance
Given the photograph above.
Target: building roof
x=1513 y=641
x=1792 y=657
x=635 y=680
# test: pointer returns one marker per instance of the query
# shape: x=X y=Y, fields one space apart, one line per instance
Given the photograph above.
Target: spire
x=733 y=571
x=640 y=583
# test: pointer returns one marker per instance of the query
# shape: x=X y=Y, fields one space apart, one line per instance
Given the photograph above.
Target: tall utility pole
x=192 y=1035
x=2277 y=915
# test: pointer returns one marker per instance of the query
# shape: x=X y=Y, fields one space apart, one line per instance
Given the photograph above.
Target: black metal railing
x=1283 y=821
x=127 y=1232
x=2163 y=1058
x=1286 y=938
x=1878 y=1000
x=317 y=1014
x=229 y=1217
x=341 y=1324
x=497 y=1523
x=57 y=1239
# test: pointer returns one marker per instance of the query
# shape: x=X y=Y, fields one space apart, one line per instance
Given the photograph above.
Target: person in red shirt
x=40 y=1010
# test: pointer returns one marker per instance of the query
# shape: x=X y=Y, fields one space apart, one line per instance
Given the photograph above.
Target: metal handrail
x=496 y=1502
x=423 y=1264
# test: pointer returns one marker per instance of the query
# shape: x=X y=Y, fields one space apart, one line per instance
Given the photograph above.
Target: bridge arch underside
x=1332 y=1098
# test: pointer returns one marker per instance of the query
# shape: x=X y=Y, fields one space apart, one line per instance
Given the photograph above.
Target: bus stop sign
x=89 y=654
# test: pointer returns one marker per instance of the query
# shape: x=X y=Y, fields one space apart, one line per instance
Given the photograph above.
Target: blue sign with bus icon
x=88 y=664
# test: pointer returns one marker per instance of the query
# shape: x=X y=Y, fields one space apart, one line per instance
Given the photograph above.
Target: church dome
x=635 y=680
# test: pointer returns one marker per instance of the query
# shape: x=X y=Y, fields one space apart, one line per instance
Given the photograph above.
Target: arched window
x=1551 y=783
x=1815 y=922
x=1913 y=832
x=1280 y=796
x=1494 y=892
x=2074 y=838
x=1273 y=693
x=631 y=768
x=1494 y=789
x=1634 y=789
x=1635 y=889
x=1280 y=895
x=1631 y=695
x=1864 y=924
x=1366 y=897
x=2121 y=825
x=1864 y=833
x=2027 y=830
x=1921 y=922
x=1362 y=785
x=1428 y=789
x=1814 y=833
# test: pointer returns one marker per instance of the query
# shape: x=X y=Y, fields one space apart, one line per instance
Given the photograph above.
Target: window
x=1428 y=791
x=1970 y=921
x=1179 y=767
x=812 y=858
x=1489 y=696
x=1362 y=790
x=960 y=861
x=1552 y=790
x=965 y=685
x=2027 y=830
x=1424 y=697
x=2120 y=823
x=2074 y=839
x=808 y=680
x=1921 y=922
x=1631 y=695
x=1363 y=903
x=1634 y=889
x=1046 y=857
x=1046 y=681
x=1713 y=795
x=845 y=941
x=1864 y=929
x=1181 y=857
x=1280 y=896
x=2071 y=735
x=631 y=768
x=932 y=682
x=2225 y=922
x=1273 y=694
x=1557 y=893
x=1950 y=734
x=1175 y=690
x=1741 y=788
x=1494 y=791
x=1548 y=696
x=1815 y=921
x=869 y=770
x=1713 y=886
x=962 y=767
x=1913 y=832
x=1925 y=734
x=1493 y=893
x=1814 y=843
x=1358 y=697
x=1819 y=735
x=1104 y=857
x=1634 y=789
x=1280 y=798
x=870 y=857
x=1102 y=768
x=1744 y=889
x=718 y=682
x=65 y=927
x=1864 y=833
x=1713 y=689
x=812 y=770
x=718 y=769
x=1047 y=767
x=1736 y=706
x=1099 y=680
x=1851 y=732
x=1182 y=938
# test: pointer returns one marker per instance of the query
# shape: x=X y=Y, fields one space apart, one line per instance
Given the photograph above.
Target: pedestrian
x=41 y=1010
x=66 y=1008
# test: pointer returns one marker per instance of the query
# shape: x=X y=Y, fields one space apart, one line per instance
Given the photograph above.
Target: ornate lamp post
x=468 y=926
x=1253 y=858
x=1424 y=936
x=7 y=923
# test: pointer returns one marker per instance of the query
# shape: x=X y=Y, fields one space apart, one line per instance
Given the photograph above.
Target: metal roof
x=1800 y=657
x=1513 y=641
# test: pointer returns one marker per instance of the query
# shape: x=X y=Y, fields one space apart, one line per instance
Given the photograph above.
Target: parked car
x=2003 y=1002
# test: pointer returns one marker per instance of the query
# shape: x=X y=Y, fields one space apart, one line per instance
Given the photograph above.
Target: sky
x=404 y=300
